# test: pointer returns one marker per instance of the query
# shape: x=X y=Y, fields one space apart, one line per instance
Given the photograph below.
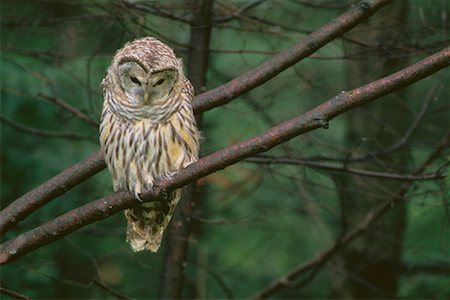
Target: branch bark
x=315 y=118
x=208 y=100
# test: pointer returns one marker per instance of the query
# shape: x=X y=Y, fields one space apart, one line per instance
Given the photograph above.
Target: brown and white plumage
x=147 y=131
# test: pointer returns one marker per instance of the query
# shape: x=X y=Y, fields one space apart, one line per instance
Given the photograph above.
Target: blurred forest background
x=258 y=219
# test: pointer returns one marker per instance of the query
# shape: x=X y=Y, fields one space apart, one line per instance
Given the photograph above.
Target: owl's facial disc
x=159 y=85
x=132 y=78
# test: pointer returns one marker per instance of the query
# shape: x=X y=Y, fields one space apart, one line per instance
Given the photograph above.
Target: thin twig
x=113 y=293
x=342 y=168
x=45 y=133
x=239 y=13
x=13 y=294
x=66 y=106
x=415 y=124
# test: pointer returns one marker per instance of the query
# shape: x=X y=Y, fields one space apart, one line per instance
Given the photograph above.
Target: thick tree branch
x=315 y=118
x=222 y=94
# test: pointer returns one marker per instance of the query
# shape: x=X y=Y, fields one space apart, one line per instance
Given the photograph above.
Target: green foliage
x=254 y=222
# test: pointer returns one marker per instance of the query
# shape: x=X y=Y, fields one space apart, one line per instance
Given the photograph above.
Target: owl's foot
x=136 y=195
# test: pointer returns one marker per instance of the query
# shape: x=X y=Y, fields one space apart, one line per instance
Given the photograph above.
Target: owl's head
x=145 y=87
x=145 y=72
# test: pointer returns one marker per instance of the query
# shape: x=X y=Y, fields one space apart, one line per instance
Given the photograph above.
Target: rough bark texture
x=366 y=265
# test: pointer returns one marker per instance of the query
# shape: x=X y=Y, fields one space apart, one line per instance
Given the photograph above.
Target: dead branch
x=315 y=118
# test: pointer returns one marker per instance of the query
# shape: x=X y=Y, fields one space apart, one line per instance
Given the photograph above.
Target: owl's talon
x=138 y=198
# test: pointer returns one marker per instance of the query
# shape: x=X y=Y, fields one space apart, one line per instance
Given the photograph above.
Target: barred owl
x=147 y=131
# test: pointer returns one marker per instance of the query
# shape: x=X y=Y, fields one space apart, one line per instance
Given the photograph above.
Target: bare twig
x=415 y=124
x=113 y=293
x=436 y=268
x=74 y=111
x=342 y=168
x=315 y=118
x=240 y=12
x=46 y=133
x=155 y=8
x=13 y=294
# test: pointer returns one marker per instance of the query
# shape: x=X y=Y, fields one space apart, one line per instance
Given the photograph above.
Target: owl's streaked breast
x=138 y=152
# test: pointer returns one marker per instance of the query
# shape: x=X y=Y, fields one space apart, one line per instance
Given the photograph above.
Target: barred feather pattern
x=142 y=143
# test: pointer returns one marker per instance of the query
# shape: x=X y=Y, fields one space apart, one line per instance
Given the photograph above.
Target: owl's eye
x=135 y=80
x=159 y=82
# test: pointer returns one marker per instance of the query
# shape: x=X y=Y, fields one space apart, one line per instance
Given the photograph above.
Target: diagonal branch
x=213 y=98
x=315 y=118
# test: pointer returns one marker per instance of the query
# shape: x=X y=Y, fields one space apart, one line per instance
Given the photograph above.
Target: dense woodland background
x=258 y=219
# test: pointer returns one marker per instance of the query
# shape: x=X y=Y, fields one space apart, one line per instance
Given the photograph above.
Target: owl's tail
x=148 y=221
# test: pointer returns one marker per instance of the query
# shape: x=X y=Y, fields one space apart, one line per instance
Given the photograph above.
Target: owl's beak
x=148 y=94
x=146 y=98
